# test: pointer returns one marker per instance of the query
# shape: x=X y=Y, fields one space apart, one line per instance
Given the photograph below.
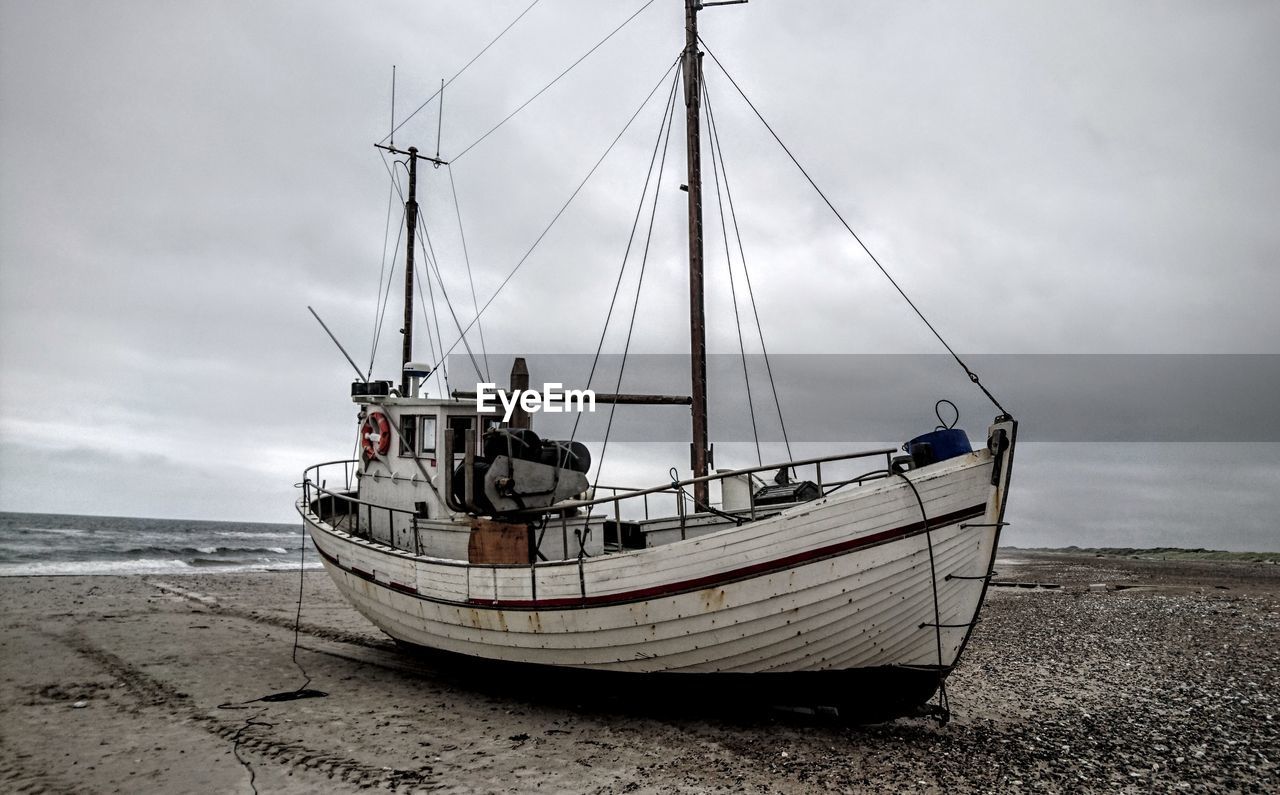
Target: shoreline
x=1167 y=684
x=1154 y=553
x=1160 y=554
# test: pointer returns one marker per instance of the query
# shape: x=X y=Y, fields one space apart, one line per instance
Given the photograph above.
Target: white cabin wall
x=401 y=481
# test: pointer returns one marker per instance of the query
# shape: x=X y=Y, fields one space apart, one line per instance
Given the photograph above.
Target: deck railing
x=685 y=507
x=315 y=488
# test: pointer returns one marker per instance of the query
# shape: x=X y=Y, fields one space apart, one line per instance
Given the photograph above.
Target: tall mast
x=411 y=224
x=692 y=67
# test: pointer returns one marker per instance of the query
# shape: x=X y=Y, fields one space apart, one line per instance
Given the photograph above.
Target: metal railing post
x=680 y=508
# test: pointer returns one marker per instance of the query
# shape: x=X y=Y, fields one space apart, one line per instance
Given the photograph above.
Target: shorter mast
x=411 y=227
x=411 y=224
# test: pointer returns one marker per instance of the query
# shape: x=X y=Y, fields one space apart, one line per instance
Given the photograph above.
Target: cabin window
x=418 y=435
x=408 y=435
x=460 y=426
x=427 y=436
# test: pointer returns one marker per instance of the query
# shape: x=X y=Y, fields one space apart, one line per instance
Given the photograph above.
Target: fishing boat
x=464 y=531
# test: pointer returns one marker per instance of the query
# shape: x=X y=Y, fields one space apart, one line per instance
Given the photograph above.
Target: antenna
x=393 y=105
x=439 y=122
x=339 y=344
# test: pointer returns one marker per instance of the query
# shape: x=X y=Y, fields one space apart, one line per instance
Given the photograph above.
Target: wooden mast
x=411 y=228
x=692 y=67
x=411 y=223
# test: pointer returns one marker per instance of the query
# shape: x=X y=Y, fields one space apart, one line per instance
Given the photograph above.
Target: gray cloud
x=178 y=182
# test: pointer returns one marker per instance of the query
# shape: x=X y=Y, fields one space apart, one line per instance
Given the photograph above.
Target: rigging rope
x=728 y=261
x=635 y=223
x=301 y=692
x=385 y=298
x=684 y=496
x=443 y=375
x=635 y=305
x=431 y=347
x=565 y=206
x=398 y=189
x=426 y=316
x=943 y=704
x=972 y=375
x=458 y=74
x=433 y=266
x=428 y=256
x=475 y=302
x=382 y=273
x=746 y=273
x=543 y=90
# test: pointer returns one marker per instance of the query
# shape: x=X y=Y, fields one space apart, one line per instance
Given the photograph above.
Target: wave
x=246 y=534
x=37 y=544
x=29 y=554
x=186 y=552
x=86 y=568
x=244 y=564
x=56 y=531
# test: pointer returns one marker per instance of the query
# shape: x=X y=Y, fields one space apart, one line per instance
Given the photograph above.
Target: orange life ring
x=375 y=435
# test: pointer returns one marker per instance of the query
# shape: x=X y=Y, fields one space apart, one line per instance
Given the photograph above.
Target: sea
x=36 y=544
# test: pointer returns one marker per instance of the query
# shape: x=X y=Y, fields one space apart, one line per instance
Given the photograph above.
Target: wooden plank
x=497 y=542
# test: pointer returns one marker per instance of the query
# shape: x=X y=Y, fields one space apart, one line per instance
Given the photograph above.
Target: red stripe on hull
x=746 y=572
x=697 y=583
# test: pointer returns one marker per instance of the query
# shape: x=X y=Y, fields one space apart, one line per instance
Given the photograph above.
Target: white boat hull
x=856 y=580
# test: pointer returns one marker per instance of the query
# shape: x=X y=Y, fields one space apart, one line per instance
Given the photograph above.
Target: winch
x=516 y=470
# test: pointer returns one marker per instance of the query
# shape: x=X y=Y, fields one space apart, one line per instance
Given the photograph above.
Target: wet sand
x=137 y=684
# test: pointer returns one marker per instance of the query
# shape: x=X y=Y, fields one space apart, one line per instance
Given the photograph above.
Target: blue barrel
x=943 y=444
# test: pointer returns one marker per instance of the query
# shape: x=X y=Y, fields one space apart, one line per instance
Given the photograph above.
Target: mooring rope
x=943 y=704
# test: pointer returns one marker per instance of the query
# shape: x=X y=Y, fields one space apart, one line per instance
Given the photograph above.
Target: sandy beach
x=1131 y=676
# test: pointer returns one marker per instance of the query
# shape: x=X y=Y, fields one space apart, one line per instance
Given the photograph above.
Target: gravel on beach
x=1130 y=676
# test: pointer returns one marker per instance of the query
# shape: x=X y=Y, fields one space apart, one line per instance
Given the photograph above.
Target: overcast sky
x=178 y=181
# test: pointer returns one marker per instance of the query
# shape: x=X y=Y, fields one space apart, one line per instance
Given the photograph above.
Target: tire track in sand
x=16 y=778
x=253 y=739
x=281 y=622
